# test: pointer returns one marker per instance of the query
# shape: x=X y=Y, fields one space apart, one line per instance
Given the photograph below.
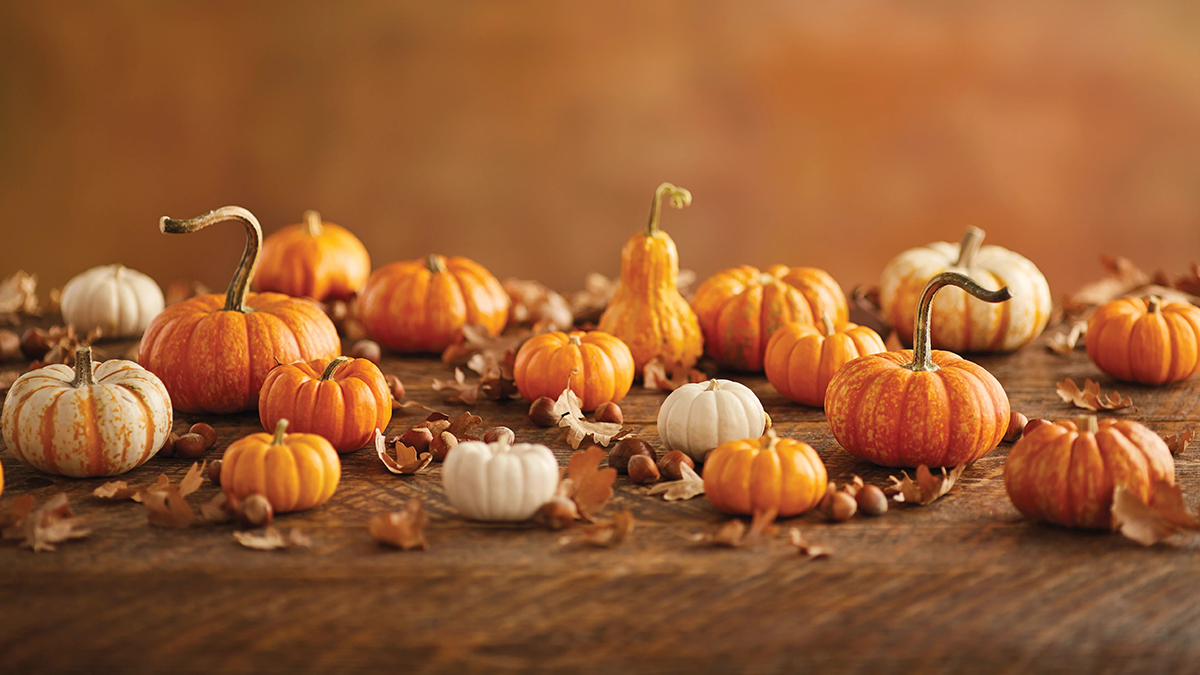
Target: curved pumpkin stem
x=768 y=440
x=333 y=366
x=1087 y=424
x=280 y=428
x=1154 y=304
x=84 y=377
x=239 y=286
x=679 y=199
x=971 y=241
x=436 y=265
x=922 y=347
x=312 y=223
x=827 y=324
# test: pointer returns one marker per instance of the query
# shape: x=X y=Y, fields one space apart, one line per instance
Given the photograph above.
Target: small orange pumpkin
x=315 y=259
x=1065 y=473
x=421 y=305
x=1147 y=341
x=764 y=474
x=602 y=363
x=801 y=360
x=741 y=308
x=293 y=471
x=921 y=406
x=344 y=402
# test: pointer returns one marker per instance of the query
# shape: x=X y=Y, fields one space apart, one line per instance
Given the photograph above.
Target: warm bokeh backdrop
x=530 y=135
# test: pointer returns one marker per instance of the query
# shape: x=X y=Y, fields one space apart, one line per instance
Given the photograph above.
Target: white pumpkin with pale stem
x=499 y=482
x=698 y=417
x=94 y=420
x=119 y=301
x=960 y=322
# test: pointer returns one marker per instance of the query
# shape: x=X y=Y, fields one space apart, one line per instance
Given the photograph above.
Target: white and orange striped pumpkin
x=94 y=420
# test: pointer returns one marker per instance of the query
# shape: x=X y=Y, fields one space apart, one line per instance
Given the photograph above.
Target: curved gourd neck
x=922 y=347
x=679 y=198
x=84 y=377
x=332 y=367
x=313 y=226
x=239 y=286
x=971 y=242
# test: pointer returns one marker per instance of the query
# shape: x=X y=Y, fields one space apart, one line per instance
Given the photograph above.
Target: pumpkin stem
x=281 y=427
x=239 y=286
x=312 y=223
x=713 y=385
x=84 y=377
x=436 y=264
x=1154 y=304
x=971 y=241
x=826 y=323
x=768 y=440
x=922 y=347
x=333 y=366
x=573 y=339
x=679 y=199
x=1087 y=423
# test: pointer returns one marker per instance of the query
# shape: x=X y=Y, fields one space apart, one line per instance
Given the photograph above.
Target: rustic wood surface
x=963 y=585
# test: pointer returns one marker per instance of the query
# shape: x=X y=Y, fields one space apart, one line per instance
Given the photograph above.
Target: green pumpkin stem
x=679 y=199
x=971 y=241
x=280 y=428
x=922 y=347
x=333 y=366
x=312 y=223
x=84 y=377
x=239 y=286
x=436 y=264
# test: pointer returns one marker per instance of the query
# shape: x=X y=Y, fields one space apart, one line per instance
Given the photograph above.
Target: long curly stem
x=239 y=286
x=922 y=347
x=679 y=199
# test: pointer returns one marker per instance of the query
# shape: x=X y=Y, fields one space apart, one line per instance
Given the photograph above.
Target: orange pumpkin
x=293 y=471
x=741 y=308
x=315 y=259
x=1147 y=341
x=801 y=360
x=213 y=353
x=344 y=401
x=1065 y=473
x=647 y=312
x=420 y=305
x=764 y=474
x=921 y=406
x=602 y=363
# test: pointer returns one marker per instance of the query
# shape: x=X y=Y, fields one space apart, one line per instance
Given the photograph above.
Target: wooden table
x=963 y=585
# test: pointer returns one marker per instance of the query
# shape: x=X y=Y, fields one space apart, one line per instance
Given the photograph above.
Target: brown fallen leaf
x=167 y=505
x=589 y=486
x=18 y=297
x=475 y=339
x=1121 y=277
x=691 y=485
x=734 y=533
x=117 y=489
x=1148 y=524
x=407 y=461
x=219 y=509
x=604 y=535
x=271 y=539
x=1177 y=444
x=42 y=528
x=58 y=344
x=663 y=376
x=587 y=305
x=404 y=529
x=927 y=488
x=535 y=303
x=806 y=549
x=1090 y=397
x=1064 y=343
x=570 y=415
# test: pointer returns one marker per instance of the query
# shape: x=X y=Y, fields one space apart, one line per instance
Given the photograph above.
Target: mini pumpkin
x=1065 y=473
x=316 y=259
x=344 y=401
x=421 y=305
x=962 y=324
x=1147 y=341
x=214 y=353
x=293 y=471
x=119 y=301
x=96 y=419
x=768 y=473
x=602 y=365
x=741 y=308
x=801 y=360
x=699 y=416
x=647 y=312
x=916 y=407
x=499 y=482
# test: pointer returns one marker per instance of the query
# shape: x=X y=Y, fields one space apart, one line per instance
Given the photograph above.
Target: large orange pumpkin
x=315 y=259
x=344 y=401
x=921 y=406
x=741 y=308
x=1065 y=473
x=602 y=365
x=647 y=312
x=213 y=353
x=293 y=471
x=1147 y=341
x=421 y=305
x=764 y=474
x=801 y=360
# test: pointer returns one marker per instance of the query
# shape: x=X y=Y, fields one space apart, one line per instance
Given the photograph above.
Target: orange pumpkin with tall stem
x=344 y=401
x=315 y=259
x=214 y=353
x=916 y=407
x=801 y=360
x=602 y=365
x=1147 y=341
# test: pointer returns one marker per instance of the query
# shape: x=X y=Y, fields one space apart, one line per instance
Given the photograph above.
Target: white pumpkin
x=962 y=323
x=94 y=420
x=698 y=417
x=119 y=301
x=498 y=481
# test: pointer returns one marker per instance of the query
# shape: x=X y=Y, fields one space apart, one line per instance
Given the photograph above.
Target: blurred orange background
x=531 y=135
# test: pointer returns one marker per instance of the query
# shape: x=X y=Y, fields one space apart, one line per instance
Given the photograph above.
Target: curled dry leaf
x=806 y=549
x=1090 y=397
x=663 y=376
x=604 y=535
x=1121 y=277
x=927 y=488
x=56 y=345
x=691 y=485
x=18 y=297
x=535 y=303
x=42 y=528
x=167 y=504
x=1178 y=443
x=407 y=460
x=1148 y=524
x=271 y=539
x=404 y=529
x=587 y=305
x=474 y=339
x=589 y=486
x=1064 y=342
x=570 y=415
x=117 y=489
x=734 y=533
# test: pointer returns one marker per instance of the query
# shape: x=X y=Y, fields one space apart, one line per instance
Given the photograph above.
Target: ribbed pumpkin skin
x=740 y=308
x=407 y=307
x=330 y=265
x=345 y=409
x=801 y=360
x=1058 y=475
x=603 y=362
x=215 y=361
x=119 y=301
x=744 y=477
x=301 y=473
x=882 y=412
x=105 y=429
x=1131 y=342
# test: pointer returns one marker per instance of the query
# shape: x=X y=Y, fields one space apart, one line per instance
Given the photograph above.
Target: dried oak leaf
x=661 y=375
x=604 y=535
x=927 y=488
x=570 y=415
x=1121 y=277
x=461 y=391
x=691 y=485
x=49 y=524
x=1178 y=443
x=807 y=549
x=18 y=297
x=734 y=533
x=535 y=303
x=60 y=344
x=1064 y=343
x=407 y=461
x=1090 y=397
x=271 y=539
x=404 y=529
x=475 y=339
x=587 y=305
x=496 y=379
x=167 y=504
x=1148 y=524
x=589 y=486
